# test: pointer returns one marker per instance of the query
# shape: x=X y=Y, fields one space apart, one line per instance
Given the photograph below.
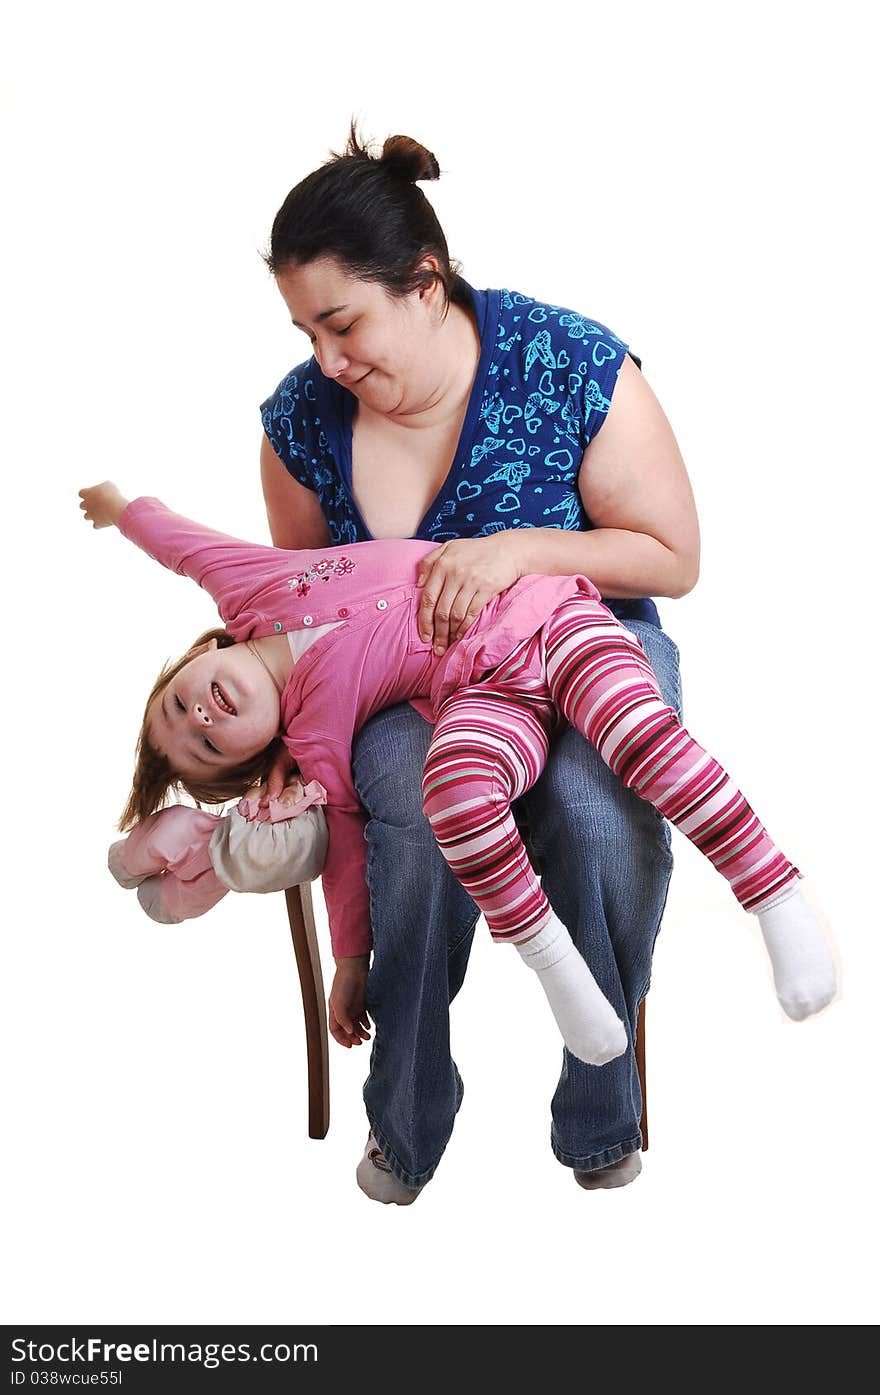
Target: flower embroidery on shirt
x=320 y=571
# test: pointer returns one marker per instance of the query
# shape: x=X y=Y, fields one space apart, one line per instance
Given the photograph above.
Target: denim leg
x=423 y=923
x=605 y=861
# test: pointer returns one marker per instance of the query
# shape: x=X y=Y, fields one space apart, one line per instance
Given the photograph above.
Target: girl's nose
x=201 y=716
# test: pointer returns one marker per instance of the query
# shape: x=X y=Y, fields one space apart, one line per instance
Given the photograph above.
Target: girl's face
x=221 y=709
x=377 y=345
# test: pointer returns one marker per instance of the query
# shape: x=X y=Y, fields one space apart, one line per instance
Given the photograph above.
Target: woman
x=521 y=438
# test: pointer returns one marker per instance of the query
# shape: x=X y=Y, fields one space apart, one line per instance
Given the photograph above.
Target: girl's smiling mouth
x=222 y=701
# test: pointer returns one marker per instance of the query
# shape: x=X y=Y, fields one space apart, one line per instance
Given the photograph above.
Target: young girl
x=318 y=641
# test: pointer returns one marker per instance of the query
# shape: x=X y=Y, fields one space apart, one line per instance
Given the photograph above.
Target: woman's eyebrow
x=324 y=315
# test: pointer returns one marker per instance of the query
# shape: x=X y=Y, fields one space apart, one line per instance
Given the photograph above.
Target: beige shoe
x=616 y=1174
x=375 y=1178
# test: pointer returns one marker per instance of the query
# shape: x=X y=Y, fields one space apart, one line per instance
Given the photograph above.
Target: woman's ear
x=428 y=292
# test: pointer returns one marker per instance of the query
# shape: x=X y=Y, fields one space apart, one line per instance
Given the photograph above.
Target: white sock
x=803 y=969
x=590 y=1027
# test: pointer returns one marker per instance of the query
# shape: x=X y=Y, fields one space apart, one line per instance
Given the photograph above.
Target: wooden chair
x=301 y=916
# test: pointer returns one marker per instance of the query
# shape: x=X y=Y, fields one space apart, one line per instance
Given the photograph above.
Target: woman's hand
x=458 y=579
x=102 y=504
x=346 y=1011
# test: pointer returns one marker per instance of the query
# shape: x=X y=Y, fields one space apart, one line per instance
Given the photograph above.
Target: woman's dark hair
x=366 y=211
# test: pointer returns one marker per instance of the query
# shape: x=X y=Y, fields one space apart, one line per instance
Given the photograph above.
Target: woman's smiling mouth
x=353 y=383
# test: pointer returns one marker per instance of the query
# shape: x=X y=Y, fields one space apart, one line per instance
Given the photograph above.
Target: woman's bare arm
x=634 y=487
x=295 y=517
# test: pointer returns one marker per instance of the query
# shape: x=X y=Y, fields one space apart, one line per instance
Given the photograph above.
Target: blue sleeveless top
x=541 y=393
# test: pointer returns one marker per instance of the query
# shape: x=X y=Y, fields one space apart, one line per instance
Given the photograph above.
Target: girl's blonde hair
x=154 y=780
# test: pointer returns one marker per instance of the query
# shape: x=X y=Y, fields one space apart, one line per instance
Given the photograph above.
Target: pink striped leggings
x=491 y=742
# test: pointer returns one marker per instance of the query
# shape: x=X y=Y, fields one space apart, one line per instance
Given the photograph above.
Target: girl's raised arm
x=245 y=579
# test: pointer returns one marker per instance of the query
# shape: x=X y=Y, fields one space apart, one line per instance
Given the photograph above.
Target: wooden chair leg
x=311 y=982
x=640 y=1063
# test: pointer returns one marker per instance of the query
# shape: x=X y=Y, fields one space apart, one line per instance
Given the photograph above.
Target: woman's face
x=377 y=345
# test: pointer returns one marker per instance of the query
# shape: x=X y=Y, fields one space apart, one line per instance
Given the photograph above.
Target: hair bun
x=405 y=158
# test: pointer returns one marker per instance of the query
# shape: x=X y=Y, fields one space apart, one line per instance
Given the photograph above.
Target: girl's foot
x=375 y=1178
x=590 y=1027
x=803 y=969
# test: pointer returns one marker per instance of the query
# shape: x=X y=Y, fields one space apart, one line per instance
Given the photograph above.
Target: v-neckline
x=486 y=305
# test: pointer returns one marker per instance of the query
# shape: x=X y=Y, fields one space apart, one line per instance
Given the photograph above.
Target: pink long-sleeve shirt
x=371 y=660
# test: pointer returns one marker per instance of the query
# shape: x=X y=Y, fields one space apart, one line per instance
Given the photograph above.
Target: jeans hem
x=416 y=1180
x=593 y=1161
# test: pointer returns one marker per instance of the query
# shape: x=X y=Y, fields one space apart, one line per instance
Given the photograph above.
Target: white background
x=701 y=181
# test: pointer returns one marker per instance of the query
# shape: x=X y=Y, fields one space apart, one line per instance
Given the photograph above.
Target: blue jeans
x=605 y=862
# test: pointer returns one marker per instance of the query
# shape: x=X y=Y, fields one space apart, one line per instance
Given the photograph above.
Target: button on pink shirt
x=373 y=660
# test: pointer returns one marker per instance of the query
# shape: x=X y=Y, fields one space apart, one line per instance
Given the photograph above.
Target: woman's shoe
x=617 y=1174
x=375 y=1178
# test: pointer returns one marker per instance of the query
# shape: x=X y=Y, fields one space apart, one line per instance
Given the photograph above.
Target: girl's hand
x=102 y=504
x=259 y=811
x=347 y=1017
x=458 y=579
x=288 y=793
x=278 y=783
x=292 y=791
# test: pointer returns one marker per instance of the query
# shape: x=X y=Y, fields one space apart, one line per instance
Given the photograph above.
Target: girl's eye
x=343 y=332
x=180 y=706
x=211 y=747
